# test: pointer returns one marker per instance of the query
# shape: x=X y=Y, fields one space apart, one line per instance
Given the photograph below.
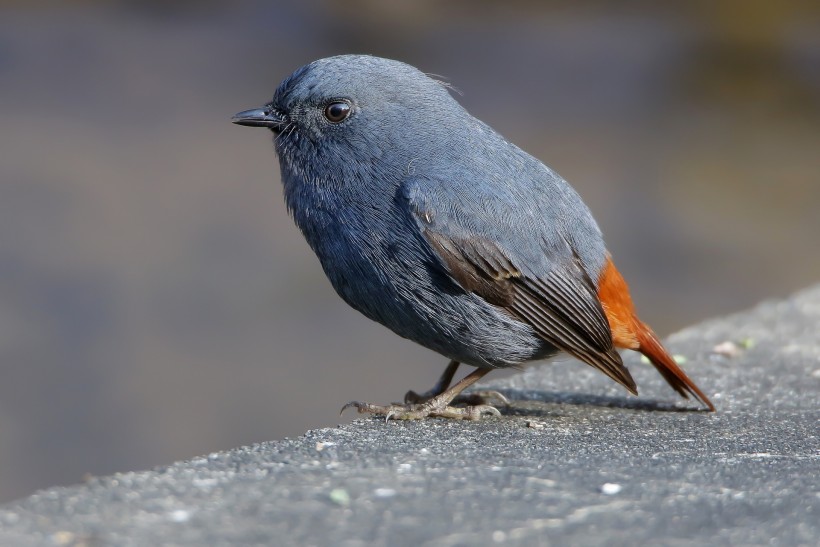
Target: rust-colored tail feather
x=629 y=332
x=651 y=347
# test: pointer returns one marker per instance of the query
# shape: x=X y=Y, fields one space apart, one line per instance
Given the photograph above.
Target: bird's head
x=354 y=112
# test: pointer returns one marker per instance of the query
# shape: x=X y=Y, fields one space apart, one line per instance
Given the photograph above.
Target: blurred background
x=156 y=301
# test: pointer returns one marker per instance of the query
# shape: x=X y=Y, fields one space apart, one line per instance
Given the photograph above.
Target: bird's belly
x=435 y=312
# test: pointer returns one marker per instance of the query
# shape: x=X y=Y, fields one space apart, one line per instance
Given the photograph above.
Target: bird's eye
x=337 y=111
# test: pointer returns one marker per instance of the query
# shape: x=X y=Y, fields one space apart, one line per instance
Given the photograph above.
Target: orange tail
x=651 y=347
x=631 y=333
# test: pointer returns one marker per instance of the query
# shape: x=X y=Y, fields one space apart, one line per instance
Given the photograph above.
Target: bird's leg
x=437 y=406
x=474 y=398
x=440 y=387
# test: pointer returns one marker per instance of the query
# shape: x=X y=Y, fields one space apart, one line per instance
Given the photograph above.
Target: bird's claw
x=482 y=397
x=429 y=409
x=475 y=398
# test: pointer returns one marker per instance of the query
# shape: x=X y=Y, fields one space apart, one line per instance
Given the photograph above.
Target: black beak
x=261 y=117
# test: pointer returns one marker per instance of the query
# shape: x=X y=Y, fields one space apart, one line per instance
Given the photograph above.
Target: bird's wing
x=522 y=267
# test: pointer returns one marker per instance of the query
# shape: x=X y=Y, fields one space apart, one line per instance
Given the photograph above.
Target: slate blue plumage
x=431 y=223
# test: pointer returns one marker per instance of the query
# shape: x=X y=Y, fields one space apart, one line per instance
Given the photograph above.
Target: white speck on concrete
x=180 y=515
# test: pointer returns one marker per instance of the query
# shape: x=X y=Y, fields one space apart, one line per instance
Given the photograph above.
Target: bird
x=428 y=221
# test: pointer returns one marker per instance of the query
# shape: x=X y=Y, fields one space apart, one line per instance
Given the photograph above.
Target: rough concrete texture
x=574 y=461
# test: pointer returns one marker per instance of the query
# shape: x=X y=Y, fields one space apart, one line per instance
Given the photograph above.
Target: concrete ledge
x=574 y=461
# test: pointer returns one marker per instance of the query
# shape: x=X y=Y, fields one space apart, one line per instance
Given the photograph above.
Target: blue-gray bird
x=431 y=223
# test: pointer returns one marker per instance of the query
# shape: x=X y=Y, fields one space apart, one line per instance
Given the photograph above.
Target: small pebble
x=747 y=343
x=339 y=496
x=63 y=537
x=727 y=349
x=610 y=488
x=535 y=425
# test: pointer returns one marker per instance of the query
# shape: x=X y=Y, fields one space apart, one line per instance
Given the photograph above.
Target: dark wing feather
x=562 y=307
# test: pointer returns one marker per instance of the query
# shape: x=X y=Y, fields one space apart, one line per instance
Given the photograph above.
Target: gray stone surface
x=574 y=461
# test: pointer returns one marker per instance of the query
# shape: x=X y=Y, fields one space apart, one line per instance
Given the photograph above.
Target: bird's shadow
x=521 y=399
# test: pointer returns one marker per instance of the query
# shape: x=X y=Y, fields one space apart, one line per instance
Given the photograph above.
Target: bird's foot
x=474 y=398
x=432 y=408
x=439 y=405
